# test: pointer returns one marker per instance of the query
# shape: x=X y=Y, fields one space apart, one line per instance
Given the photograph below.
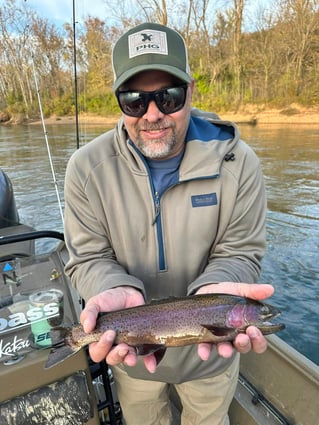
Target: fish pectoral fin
x=145 y=349
x=221 y=332
x=157 y=349
x=159 y=354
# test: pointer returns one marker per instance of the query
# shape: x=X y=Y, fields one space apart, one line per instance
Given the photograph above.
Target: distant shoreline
x=294 y=115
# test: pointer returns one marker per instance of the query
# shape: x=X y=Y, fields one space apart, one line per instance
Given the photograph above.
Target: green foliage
x=15 y=105
x=60 y=106
x=276 y=65
x=202 y=82
x=101 y=104
x=202 y=93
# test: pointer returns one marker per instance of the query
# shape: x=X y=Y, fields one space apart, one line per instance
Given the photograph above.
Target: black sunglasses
x=168 y=100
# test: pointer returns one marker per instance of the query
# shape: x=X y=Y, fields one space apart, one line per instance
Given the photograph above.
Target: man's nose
x=153 y=114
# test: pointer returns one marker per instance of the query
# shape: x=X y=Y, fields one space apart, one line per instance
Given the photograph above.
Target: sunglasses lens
x=168 y=101
x=171 y=100
x=132 y=103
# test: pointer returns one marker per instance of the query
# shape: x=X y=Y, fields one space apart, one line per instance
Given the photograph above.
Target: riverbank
x=292 y=115
x=250 y=114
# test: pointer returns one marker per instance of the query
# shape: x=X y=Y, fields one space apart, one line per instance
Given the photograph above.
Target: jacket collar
x=208 y=140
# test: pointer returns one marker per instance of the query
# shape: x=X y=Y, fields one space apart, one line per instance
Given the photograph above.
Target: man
x=169 y=203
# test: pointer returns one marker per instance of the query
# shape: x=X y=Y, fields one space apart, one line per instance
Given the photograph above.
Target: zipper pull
x=157 y=206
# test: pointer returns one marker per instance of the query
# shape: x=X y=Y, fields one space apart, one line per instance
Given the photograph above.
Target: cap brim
x=181 y=75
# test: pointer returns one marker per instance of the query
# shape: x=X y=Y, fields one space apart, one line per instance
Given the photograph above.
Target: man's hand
x=110 y=300
x=253 y=339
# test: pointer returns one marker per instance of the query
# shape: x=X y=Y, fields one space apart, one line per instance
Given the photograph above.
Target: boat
x=35 y=294
x=280 y=386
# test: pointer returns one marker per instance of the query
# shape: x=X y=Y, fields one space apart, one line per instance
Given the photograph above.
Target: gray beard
x=162 y=148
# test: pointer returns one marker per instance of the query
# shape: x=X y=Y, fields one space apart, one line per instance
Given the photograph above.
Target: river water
x=289 y=157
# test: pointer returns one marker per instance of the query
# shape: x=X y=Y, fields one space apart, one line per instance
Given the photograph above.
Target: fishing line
x=47 y=141
x=75 y=80
x=80 y=101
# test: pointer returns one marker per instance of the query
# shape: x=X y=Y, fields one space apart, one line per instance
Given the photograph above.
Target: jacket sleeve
x=239 y=247
x=92 y=265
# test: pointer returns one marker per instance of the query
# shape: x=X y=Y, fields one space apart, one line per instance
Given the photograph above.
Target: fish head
x=260 y=315
x=268 y=312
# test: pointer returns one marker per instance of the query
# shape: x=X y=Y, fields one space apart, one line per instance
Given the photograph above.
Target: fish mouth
x=269 y=327
x=271 y=316
x=267 y=323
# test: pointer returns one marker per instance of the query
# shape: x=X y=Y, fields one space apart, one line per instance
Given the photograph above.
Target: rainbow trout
x=172 y=322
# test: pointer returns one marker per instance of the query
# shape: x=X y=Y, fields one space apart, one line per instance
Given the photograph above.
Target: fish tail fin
x=61 y=347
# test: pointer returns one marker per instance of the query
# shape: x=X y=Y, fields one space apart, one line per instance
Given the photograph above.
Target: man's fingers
x=257 y=339
x=258 y=291
x=122 y=353
x=150 y=363
x=225 y=349
x=109 y=300
x=88 y=317
x=204 y=350
x=242 y=343
x=104 y=345
x=253 y=339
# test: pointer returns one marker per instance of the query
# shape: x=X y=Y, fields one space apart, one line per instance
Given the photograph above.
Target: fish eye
x=264 y=310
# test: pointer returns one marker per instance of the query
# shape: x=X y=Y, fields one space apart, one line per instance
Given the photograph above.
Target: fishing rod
x=75 y=81
x=47 y=141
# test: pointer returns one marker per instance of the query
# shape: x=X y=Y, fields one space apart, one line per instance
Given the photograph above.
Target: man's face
x=158 y=135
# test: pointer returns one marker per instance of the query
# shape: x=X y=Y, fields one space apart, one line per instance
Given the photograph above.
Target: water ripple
x=289 y=159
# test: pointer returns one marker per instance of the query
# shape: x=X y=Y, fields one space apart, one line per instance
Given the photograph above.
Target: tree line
x=268 y=57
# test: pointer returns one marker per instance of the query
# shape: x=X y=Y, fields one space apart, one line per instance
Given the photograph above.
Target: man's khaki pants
x=204 y=401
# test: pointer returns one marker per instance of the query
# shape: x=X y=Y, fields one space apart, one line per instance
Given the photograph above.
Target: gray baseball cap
x=149 y=46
